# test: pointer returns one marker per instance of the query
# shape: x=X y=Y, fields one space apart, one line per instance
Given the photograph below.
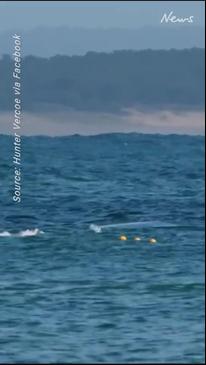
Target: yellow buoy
x=137 y=239
x=152 y=240
x=123 y=238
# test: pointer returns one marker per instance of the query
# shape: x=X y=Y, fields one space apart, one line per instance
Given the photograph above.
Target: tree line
x=108 y=81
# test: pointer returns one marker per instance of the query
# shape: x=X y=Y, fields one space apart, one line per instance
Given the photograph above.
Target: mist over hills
x=49 y=41
x=109 y=81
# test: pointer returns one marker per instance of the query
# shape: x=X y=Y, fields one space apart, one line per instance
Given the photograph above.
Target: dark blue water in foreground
x=75 y=296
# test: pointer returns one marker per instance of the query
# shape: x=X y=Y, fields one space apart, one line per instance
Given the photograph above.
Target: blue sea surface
x=72 y=295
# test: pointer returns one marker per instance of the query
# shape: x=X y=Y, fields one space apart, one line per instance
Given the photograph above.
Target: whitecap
x=25 y=233
x=30 y=232
x=5 y=234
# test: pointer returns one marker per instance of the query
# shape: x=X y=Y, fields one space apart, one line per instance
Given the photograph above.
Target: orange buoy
x=123 y=238
x=152 y=240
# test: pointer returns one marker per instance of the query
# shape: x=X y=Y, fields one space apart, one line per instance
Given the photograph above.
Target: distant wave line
x=150 y=224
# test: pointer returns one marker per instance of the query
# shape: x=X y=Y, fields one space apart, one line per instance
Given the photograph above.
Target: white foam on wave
x=30 y=232
x=95 y=228
x=26 y=233
x=151 y=224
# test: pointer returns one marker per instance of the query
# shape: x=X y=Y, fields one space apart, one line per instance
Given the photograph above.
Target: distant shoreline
x=103 y=135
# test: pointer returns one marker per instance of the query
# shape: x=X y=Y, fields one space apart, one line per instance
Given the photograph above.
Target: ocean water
x=73 y=295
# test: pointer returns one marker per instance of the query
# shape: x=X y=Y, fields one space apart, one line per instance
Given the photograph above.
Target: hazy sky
x=107 y=14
